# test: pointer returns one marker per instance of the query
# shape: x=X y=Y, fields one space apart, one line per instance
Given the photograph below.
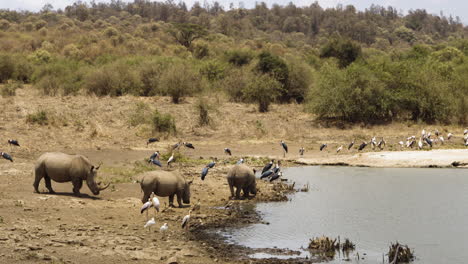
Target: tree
x=186 y=33
x=345 y=50
x=263 y=90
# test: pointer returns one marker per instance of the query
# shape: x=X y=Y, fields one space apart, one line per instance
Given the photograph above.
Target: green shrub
x=163 y=123
x=234 y=83
x=179 y=80
x=274 y=66
x=263 y=90
x=60 y=77
x=239 y=57
x=150 y=74
x=345 y=50
x=212 y=70
x=114 y=80
x=200 y=50
x=4 y=24
x=203 y=109
x=9 y=89
x=7 y=67
x=40 y=118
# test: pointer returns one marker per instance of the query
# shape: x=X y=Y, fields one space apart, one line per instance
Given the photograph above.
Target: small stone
x=172 y=260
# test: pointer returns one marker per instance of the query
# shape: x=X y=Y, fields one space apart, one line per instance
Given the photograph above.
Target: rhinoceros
x=62 y=167
x=243 y=178
x=165 y=183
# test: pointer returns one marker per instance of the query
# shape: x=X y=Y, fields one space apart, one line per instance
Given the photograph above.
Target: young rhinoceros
x=165 y=183
x=62 y=167
x=243 y=178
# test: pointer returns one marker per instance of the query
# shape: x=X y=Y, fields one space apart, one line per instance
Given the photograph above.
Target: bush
x=60 y=77
x=234 y=83
x=40 y=118
x=239 y=57
x=345 y=50
x=4 y=24
x=9 y=89
x=179 y=81
x=150 y=75
x=114 y=80
x=200 y=51
x=274 y=66
x=203 y=109
x=163 y=123
x=299 y=82
x=263 y=90
x=7 y=67
x=212 y=70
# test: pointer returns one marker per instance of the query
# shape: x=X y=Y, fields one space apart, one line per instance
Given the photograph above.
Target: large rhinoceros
x=165 y=183
x=243 y=178
x=62 y=167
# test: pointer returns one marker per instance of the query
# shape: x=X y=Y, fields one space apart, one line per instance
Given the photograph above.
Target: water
x=427 y=209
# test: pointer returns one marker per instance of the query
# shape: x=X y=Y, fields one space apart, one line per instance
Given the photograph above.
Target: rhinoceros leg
x=38 y=173
x=238 y=190
x=77 y=183
x=171 y=200
x=48 y=184
x=179 y=200
x=246 y=192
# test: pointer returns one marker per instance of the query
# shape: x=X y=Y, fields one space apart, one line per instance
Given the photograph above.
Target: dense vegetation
x=366 y=66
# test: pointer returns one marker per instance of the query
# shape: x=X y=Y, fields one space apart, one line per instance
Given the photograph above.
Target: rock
x=172 y=260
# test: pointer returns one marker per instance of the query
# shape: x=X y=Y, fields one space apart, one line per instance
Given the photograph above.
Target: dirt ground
x=108 y=228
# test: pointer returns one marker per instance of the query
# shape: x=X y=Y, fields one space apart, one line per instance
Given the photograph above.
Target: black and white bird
x=465 y=131
x=449 y=136
x=362 y=146
x=402 y=144
x=277 y=168
x=373 y=142
x=267 y=166
x=151 y=140
x=156 y=162
x=176 y=145
x=381 y=144
x=323 y=146
x=301 y=151
x=351 y=145
x=13 y=142
x=339 y=148
x=186 y=220
x=155 y=155
x=276 y=176
x=146 y=206
x=204 y=172
x=228 y=151
x=211 y=164
x=6 y=156
x=266 y=174
x=188 y=145
x=170 y=160
x=428 y=141
x=285 y=147
x=240 y=161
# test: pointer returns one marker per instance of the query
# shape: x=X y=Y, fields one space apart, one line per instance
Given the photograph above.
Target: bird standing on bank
x=13 y=142
x=285 y=148
x=188 y=145
x=6 y=156
x=170 y=160
x=150 y=223
x=163 y=229
x=186 y=220
x=151 y=140
x=228 y=151
x=204 y=173
x=301 y=151
x=351 y=145
x=268 y=166
x=155 y=203
x=146 y=206
x=339 y=148
x=323 y=146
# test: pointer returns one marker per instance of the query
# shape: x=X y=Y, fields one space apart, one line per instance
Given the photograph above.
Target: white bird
x=150 y=223
x=164 y=228
x=145 y=207
x=156 y=203
x=402 y=144
x=465 y=131
x=429 y=134
x=240 y=161
x=441 y=138
x=420 y=144
x=171 y=159
x=186 y=220
x=423 y=133
x=339 y=149
x=449 y=136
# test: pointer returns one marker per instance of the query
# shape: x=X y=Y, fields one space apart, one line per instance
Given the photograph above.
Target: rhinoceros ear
x=92 y=168
x=255 y=171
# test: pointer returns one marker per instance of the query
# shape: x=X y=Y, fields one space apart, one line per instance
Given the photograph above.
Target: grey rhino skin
x=243 y=178
x=62 y=167
x=165 y=183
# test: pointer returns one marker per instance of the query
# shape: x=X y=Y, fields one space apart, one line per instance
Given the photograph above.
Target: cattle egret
x=156 y=203
x=204 y=173
x=240 y=161
x=420 y=143
x=186 y=220
x=150 y=223
x=267 y=166
x=423 y=133
x=351 y=145
x=339 y=149
x=449 y=136
x=228 y=151
x=402 y=144
x=164 y=228
x=285 y=148
x=151 y=140
x=188 y=145
x=441 y=139
x=171 y=159
x=6 y=156
x=301 y=151
x=145 y=207
x=323 y=146
x=13 y=142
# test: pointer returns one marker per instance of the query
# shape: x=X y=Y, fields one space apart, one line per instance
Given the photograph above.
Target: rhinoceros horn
x=99 y=165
